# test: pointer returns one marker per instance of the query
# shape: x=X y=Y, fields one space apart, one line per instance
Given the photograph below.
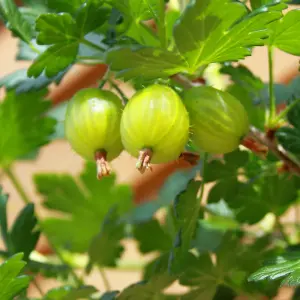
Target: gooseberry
x=154 y=126
x=92 y=126
x=218 y=120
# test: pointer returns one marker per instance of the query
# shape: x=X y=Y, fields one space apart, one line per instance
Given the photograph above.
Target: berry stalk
x=103 y=167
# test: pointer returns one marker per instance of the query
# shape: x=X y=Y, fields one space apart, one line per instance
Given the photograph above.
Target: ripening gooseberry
x=92 y=126
x=218 y=120
x=154 y=126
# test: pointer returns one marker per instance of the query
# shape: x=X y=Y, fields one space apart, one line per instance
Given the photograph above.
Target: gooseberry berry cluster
x=155 y=125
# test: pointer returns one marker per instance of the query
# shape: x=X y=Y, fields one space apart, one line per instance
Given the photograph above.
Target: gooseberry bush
x=194 y=100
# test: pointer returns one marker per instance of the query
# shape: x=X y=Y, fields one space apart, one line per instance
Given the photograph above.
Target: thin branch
x=119 y=91
x=272 y=104
x=185 y=82
x=18 y=186
x=259 y=136
x=105 y=279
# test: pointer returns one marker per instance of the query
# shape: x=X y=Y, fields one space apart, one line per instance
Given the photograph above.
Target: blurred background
x=59 y=158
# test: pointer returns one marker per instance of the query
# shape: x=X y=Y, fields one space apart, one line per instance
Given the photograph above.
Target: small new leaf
x=23 y=126
x=11 y=283
x=221 y=30
x=137 y=11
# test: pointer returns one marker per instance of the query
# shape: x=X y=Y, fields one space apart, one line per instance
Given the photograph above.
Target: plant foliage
x=215 y=228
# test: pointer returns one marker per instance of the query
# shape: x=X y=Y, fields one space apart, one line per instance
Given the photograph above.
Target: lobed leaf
x=284 y=32
x=288 y=267
x=11 y=283
x=23 y=125
x=219 y=31
x=23 y=234
x=15 y=21
x=84 y=208
x=150 y=63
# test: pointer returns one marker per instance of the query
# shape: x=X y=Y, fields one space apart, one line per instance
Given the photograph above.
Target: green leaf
x=3 y=217
x=289 y=137
x=256 y=113
x=152 y=288
x=175 y=184
x=90 y=16
x=218 y=31
x=11 y=284
x=70 y=293
x=27 y=52
x=84 y=206
x=226 y=168
x=229 y=267
x=244 y=77
x=220 y=209
x=255 y=4
x=208 y=236
x=105 y=247
x=109 y=295
x=66 y=5
x=22 y=84
x=15 y=21
x=23 y=126
x=242 y=198
x=287 y=266
x=151 y=236
x=23 y=234
x=137 y=11
x=246 y=82
x=187 y=209
x=48 y=270
x=200 y=272
x=65 y=34
x=55 y=59
x=56 y=28
x=40 y=5
x=279 y=192
x=284 y=32
x=58 y=113
x=150 y=63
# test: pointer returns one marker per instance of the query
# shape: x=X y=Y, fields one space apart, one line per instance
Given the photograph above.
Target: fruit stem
x=103 y=168
x=144 y=160
x=272 y=100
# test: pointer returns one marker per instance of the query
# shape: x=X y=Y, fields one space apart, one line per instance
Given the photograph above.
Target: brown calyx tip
x=144 y=160
x=190 y=157
x=103 y=167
